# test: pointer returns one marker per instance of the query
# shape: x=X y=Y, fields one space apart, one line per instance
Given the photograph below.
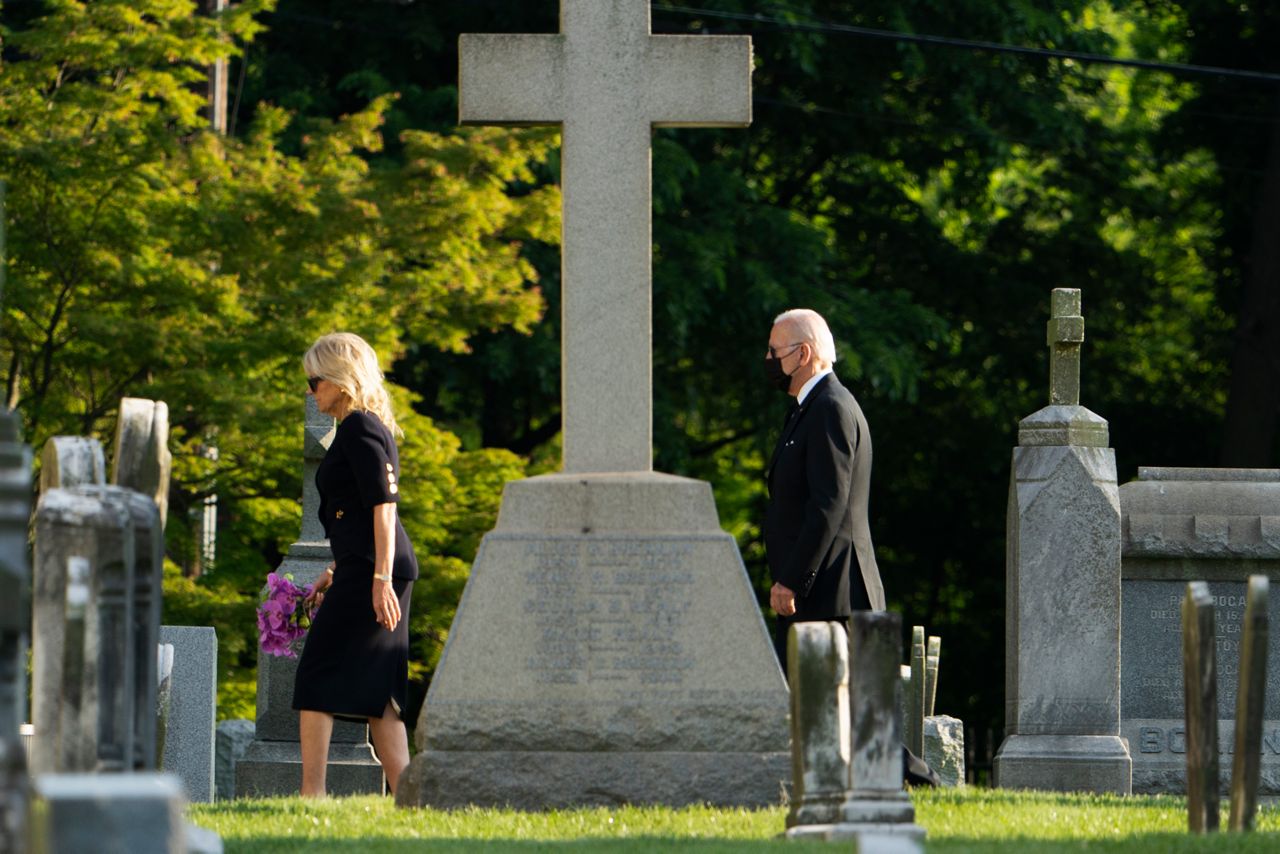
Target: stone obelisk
x=608 y=647
x=1062 y=639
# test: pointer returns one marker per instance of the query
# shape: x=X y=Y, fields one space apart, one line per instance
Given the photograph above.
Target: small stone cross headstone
x=1066 y=335
x=1200 y=680
x=1250 y=701
x=818 y=661
x=607 y=81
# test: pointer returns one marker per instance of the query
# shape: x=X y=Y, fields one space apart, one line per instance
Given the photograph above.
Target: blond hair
x=347 y=361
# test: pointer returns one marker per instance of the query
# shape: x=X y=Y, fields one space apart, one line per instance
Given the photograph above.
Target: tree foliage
x=151 y=257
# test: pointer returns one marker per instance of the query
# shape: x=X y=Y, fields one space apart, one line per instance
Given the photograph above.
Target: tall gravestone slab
x=1182 y=525
x=15 y=502
x=82 y=668
x=193 y=701
x=608 y=646
x=147 y=593
x=272 y=764
x=1062 y=640
x=142 y=460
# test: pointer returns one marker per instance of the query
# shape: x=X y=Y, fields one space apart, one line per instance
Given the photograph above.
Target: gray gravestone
x=147 y=594
x=1250 y=700
x=188 y=741
x=82 y=658
x=818 y=664
x=272 y=764
x=876 y=814
x=1183 y=524
x=944 y=748
x=1062 y=639
x=142 y=461
x=116 y=814
x=164 y=691
x=1199 y=674
x=919 y=690
x=931 y=674
x=231 y=740
x=68 y=461
x=15 y=503
x=608 y=646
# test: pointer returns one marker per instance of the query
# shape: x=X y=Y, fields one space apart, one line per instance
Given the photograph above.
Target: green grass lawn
x=972 y=820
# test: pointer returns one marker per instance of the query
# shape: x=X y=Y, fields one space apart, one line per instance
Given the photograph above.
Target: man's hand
x=782 y=600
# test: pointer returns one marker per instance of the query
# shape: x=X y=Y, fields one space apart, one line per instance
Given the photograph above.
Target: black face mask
x=778 y=378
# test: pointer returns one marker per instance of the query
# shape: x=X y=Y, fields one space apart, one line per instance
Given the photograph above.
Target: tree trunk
x=1253 y=404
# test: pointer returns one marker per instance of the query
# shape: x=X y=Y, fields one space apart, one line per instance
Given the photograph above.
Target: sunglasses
x=313 y=382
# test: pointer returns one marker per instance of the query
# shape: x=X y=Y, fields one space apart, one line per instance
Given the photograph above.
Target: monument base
x=274 y=768
x=608 y=649
x=538 y=780
x=877 y=838
x=1065 y=763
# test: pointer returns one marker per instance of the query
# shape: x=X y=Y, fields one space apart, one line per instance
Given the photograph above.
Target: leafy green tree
x=151 y=257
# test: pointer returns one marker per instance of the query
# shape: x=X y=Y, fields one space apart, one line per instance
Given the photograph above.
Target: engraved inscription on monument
x=1151 y=706
x=609 y=613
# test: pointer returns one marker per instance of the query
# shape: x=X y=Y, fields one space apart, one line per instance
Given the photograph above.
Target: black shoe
x=916 y=772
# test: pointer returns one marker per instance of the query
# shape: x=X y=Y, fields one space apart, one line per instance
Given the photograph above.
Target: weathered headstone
x=82 y=660
x=1251 y=697
x=919 y=690
x=68 y=461
x=15 y=502
x=147 y=593
x=818 y=664
x=1199 y=674
x=932 y=656
x=272 y=764
x=116 y=814
x=608 y=646
x=232 y=739
x=1062 y=647
x=1180 y=525
x=193 y=702
x=142 y=460
x=944 y=748
x=876 y=813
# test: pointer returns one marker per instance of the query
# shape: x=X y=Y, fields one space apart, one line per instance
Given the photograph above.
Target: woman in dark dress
x=356 y=658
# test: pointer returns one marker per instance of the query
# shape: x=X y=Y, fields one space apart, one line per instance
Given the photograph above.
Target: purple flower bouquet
x=283 y=619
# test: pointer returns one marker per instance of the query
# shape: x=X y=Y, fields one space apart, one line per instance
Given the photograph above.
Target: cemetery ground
x=957 y=820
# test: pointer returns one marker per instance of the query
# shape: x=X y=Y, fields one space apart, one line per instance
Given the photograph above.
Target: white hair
x=812 y=329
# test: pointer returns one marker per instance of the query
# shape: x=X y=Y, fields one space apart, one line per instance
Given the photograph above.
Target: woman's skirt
x=352 y=667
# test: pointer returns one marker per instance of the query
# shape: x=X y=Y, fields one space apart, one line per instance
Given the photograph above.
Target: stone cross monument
x=607 y=81
x=608 y=647
x=1062 y=647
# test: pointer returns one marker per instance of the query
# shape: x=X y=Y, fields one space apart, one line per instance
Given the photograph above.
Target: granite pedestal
x=608 y=649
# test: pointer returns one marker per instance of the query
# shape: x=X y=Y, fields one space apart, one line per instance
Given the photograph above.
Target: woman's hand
x=323 y=583
x=386 y=607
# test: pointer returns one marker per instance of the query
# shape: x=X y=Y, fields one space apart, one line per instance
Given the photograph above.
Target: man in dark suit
x=816 y=535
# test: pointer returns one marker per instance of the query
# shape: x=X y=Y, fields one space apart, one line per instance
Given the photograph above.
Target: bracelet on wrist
x=329 y=570
x=386 y=577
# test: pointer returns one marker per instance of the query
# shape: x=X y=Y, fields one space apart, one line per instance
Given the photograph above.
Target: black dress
x=350 y=665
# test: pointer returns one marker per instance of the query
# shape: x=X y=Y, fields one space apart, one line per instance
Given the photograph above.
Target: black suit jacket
x=816 y=534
